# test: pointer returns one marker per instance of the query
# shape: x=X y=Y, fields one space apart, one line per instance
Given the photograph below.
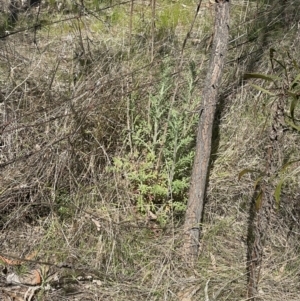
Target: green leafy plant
x=62 y=202
x=160 y=151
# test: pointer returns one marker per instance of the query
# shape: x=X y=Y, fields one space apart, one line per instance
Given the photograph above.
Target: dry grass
x=64 y=114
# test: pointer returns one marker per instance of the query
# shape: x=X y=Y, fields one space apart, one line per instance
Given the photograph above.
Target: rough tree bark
x=262 y=209
x=204 y=134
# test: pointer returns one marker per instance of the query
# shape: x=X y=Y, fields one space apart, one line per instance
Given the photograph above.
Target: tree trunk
x=262 y=204
x=204 y=134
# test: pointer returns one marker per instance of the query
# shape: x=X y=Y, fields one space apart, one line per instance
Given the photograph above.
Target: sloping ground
x=68 y=212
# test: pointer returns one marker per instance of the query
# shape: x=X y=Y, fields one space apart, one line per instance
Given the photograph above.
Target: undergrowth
x=99 y=115
x=160 y=144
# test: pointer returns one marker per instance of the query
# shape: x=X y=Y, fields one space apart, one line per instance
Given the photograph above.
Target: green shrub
x=159 y=150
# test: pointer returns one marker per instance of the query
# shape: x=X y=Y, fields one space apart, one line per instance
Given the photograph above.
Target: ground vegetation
x=99 y=104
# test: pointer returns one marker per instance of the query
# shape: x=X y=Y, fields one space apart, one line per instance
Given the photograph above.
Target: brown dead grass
x=64 y=114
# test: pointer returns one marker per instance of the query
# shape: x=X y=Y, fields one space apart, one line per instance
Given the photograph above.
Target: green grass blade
x=258 y=201
x=245 y=171
x=293 y=125
x=256 y=183
x=270 y=78
x=277 y=193
x=292 y=108
x=259 y=88
x=296 y=80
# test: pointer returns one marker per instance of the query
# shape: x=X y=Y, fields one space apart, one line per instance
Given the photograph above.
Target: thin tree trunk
x=262 y=207
x=204 y=135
